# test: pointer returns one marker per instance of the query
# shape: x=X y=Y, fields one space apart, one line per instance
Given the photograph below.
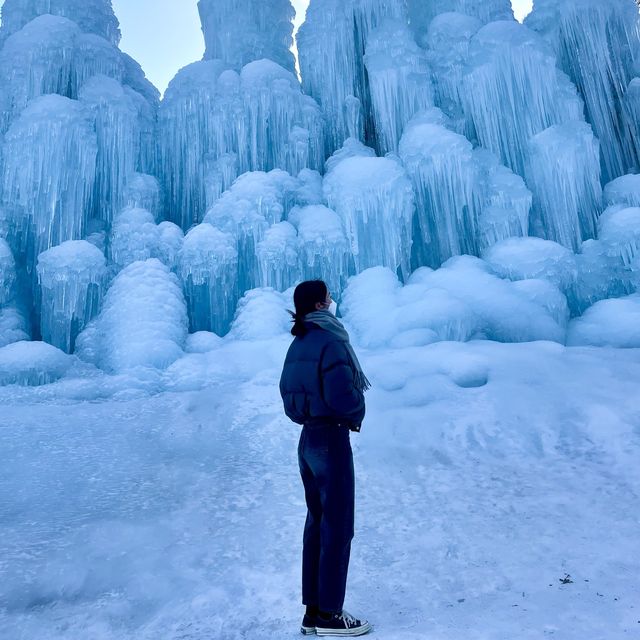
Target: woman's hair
x=305 y=297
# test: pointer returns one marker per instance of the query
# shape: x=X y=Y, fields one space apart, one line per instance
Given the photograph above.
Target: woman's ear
x=319 y=306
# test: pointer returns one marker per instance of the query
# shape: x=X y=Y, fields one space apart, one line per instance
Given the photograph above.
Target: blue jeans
x=326 y=467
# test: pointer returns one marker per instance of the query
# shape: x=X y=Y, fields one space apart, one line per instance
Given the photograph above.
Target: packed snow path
x=497 y=499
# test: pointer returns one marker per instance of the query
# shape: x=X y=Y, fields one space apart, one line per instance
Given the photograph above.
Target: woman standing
x=322 y=387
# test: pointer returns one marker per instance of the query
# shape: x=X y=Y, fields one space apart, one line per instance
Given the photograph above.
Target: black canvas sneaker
x=341 y=624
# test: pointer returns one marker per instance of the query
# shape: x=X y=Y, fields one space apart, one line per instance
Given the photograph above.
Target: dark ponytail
x=305 y=298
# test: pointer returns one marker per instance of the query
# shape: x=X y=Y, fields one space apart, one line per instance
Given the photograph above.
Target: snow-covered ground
x=487 y=474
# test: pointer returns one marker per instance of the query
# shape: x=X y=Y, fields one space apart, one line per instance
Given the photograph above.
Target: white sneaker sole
x=359 y=631
x=308 y=631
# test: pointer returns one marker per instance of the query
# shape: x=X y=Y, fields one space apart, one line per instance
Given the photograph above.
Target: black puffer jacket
x=317 y=383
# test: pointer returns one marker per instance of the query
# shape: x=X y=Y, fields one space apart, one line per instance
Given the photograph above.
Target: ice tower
x=241 y=31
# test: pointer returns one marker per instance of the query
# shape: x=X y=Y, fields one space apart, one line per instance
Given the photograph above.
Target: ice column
x=374 y=199
x=331 y=46
x=441 y=167
x=7 y=273
x=563 y=171
x=134 y=237
x=93 y=16
x=400 y=81
x=597 y=45
x=512 y=91
x=448 y=39
x=208 y=268
x=49 y=170
x=72 y=279
x=323 y=246
x=238 y=32
x=119 y=131
x=278 y=262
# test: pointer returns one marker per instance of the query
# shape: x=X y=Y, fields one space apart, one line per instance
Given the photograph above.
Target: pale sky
x=165 y=35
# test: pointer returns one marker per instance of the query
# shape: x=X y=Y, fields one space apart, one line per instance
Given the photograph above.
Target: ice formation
x=375 y=201
x=323 y=246
x=624 y=190
x=331 y=46
x=143 y=322
x=49 y=170
x=239 y=32
x=93 y=16
x=399 y=81
x=208 y=268
x=13 y=326
x=260 y=116
x=52 y=55
x=508 y=64
x=597 y=46
x=7 y=272
x=563 y=172
x=277 y=252
x=134 y=237
x=422 y=13
x=448 y=40
x=124 y=126
x=144 y=191
x=72 y=278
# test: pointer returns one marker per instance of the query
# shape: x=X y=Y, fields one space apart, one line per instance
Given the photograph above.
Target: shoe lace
x=347 y=618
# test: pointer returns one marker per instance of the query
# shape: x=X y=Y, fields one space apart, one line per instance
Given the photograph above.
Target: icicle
x=331 y=46
x=375 y=202
x=49 y=170
x=238 y=32
x=134 y=237
x=510 y=64
x=144 y=192
x=597 y=45
x=277 y=253
x=441 y=166
x=400 y=81
x=563 y=171
x=208 y=114
x=118 y=127
x=7 y=273
x=324 y=250
x=72 y=279
x=208 y=267
x=448 y=40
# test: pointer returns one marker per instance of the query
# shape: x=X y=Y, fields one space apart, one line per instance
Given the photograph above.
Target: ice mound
x=134 y=237
x=534 y=259
x=624 y=190
x=32 y=364
x=277 y=252
x=375 y=201
x=143 y=322
x=461 y=301
x=262 y=315
x=352 y=148
x=608 y=323
x=72 y=278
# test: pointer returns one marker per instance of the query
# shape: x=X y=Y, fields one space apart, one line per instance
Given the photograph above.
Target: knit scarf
x=327 y=321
